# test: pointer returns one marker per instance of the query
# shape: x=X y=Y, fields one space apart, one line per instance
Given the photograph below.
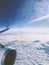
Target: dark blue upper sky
x=8 y=9
x=21 y=12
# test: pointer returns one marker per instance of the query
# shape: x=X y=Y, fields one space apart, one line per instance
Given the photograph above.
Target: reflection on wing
x=4 y=30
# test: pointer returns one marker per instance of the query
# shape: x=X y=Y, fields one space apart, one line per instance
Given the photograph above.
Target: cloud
x=41 y=11
x=39 y=19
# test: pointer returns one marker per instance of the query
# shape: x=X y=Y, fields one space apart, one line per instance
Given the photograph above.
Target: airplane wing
x=4 y=30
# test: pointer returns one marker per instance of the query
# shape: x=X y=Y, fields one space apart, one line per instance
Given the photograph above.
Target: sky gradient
x=8 y=9
x=20 y=13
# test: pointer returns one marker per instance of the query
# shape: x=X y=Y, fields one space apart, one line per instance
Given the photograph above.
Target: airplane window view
x=24 y=32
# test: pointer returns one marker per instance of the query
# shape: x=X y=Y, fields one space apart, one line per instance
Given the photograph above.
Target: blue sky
x=24 y=13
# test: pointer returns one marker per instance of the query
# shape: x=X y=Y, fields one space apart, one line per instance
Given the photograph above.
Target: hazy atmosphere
x=24 y=13
x=27 y=23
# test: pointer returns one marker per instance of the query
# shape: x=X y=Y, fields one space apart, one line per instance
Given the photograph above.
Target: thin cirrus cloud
x=38 y=19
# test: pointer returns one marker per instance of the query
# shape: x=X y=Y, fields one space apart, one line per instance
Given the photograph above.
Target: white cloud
x=39 y=19
x=41 y=11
